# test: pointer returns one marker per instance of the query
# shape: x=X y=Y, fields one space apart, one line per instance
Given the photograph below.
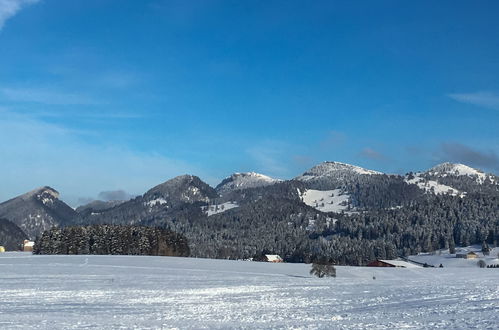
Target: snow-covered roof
x=29 y=243
x=466 y=253
x=400 y=263
x=273 y=257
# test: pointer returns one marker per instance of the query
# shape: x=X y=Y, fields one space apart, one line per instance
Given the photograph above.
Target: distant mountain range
x=342 y=211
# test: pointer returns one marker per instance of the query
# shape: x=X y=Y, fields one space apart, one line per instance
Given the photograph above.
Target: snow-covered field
x=127 y=292
x=434 y=186
x=326 y=200
x=449 y=260
x=216 y=209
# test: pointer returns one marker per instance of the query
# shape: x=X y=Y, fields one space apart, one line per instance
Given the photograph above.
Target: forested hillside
x=11 y=236
x=342 y=212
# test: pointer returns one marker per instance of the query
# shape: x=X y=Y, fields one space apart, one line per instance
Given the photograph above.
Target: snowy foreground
x=123 y=292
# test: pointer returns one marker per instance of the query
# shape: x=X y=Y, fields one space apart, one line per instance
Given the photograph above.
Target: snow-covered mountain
x=454 y=179
x=332 y=174
x=335 y=175
x=37 y=211
x=247 y=202
x=334 y=170
x=181 y=195
x=239 y=181
x=179 y=190
x=460 y=170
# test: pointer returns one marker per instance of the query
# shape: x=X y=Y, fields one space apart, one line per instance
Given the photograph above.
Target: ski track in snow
x=116 y=292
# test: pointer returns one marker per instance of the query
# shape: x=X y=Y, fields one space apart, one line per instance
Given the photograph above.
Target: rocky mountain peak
x=184 y=188
x=454 y=169
x=45 y=192
x=459 y=170
x=245 y=180
x=335 y=169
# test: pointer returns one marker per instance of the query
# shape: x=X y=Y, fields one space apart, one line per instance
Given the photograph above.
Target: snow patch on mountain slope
x=326 y=200
x=156 y=202
x=431 y=186
x=46 y=200
x=219 y=208
x=194 y=194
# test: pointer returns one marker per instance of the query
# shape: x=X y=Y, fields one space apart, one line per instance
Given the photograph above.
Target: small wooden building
x=380 y=263
x=273 y=258
x=469 y=255
x=28 y=245
x=391 y=263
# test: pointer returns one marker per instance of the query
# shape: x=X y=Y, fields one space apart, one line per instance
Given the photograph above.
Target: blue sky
x=104 y=95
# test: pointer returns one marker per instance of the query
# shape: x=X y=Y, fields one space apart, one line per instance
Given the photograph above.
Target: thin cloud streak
x=45 y=96
x=370 y=153
x=40 y=153
x=87 y=115
x=482 y=99
x=9 y=8
x=456 y=152
x=115 y=195
x=269 y=159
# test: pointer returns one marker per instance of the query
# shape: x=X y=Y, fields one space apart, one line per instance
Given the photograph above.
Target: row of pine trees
x=112 y=239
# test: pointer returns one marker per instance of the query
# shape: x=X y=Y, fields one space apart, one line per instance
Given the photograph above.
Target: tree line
x=112 y=239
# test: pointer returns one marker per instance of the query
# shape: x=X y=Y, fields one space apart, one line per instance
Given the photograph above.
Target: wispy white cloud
x=456 y=152
x=333 y=139
x=117 y=79
x=270 y=158
x=370 y=153
x=36 y=153
x=9 y=8
x=114 y=195
x=45 y=96
x=87 y=115
x=482 y=99
x=22 y=96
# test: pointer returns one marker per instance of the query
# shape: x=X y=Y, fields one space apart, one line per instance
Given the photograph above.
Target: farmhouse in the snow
x=28 y=246
x=273 y=258
x=469 y=255
x=391 y=263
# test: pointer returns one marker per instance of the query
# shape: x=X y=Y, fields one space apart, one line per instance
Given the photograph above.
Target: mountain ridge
x=238 y=181
x=36 y=211
x=336 y=207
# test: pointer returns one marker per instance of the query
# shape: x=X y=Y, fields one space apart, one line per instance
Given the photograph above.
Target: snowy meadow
x=136 y=292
